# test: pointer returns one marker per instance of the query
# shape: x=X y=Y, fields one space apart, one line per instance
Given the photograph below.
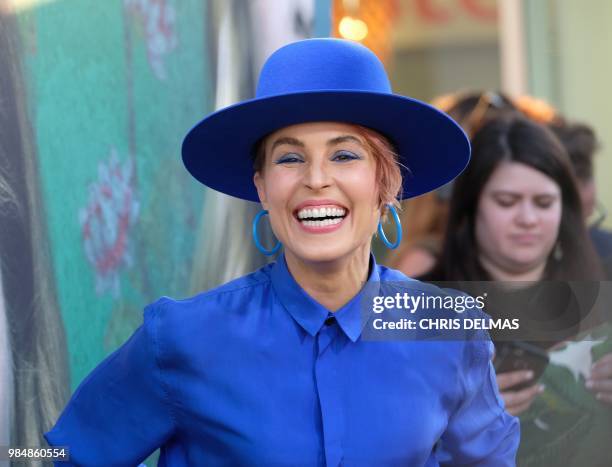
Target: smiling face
x=318 y=182
x=517 y=220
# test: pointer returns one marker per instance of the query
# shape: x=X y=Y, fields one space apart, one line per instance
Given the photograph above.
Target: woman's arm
x=120 y=413
x=480 y=432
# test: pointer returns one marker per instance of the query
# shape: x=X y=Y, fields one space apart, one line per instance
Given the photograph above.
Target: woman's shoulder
x=221 y=299
x=394 y=276
x=424 y=284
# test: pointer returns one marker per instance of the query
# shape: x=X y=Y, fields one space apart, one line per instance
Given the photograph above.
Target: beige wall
x=570 y=63
x=443 y=48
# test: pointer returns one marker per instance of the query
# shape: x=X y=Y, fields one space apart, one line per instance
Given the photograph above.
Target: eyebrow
x=516 y=194
x=287 y=140
x=331 y=142
x=344 y=139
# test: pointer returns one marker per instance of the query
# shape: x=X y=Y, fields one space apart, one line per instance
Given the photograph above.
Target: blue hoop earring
x=259 y=246
x=398 y=229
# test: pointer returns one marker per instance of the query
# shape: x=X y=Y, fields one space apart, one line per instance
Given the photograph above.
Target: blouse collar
x=310 y=314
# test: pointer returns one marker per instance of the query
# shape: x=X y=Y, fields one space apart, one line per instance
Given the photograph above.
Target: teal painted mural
x=103 y=93
x=117 y=84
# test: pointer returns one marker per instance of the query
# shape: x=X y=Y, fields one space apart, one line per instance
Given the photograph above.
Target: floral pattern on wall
x=108 y=220
x=157 y=18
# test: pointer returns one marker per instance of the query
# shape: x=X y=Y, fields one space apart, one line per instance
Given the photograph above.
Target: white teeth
x=320 y=212
x=323 y=223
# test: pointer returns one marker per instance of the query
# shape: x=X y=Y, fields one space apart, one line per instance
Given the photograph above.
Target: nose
x=317 y=176
x=527 y=215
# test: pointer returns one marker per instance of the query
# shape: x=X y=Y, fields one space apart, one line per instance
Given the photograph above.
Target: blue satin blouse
x=256 y=373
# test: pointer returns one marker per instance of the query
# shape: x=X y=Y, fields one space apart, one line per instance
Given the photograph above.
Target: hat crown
x=321 y=65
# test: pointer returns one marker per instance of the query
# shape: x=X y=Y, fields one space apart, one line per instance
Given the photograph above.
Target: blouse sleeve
x=480 y=432
x=120 y=413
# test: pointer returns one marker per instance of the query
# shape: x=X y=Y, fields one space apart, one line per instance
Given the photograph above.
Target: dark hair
x=580 y=143
x=515 y=139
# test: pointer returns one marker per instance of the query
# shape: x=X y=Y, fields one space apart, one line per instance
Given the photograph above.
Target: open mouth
x=323 y=216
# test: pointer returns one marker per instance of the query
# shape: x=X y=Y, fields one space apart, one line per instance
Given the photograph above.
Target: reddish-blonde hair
x=388 y=173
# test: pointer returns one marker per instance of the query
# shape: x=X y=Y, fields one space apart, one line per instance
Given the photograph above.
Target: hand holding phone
x=522 y=357
x=517 y=401
x=519 y=365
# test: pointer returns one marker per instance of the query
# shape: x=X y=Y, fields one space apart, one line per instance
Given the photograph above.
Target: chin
x=526 y=263
x=320 y=253
x=526 y=256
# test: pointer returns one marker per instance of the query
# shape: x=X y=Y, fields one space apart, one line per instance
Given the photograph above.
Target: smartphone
x=518 y=356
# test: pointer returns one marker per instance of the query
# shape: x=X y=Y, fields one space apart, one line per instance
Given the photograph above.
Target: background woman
x=427 y=215
x=516 y=215
x=216 y=379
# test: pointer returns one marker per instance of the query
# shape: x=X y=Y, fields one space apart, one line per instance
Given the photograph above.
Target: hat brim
x=218 y=151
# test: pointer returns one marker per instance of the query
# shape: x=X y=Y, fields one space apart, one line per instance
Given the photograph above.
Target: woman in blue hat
x=284 y=367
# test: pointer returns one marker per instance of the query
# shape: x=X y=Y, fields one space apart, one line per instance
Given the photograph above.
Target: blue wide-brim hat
x=325 y=80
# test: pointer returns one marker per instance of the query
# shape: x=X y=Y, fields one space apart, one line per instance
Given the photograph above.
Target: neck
x=531 y=274
x=331 y=283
